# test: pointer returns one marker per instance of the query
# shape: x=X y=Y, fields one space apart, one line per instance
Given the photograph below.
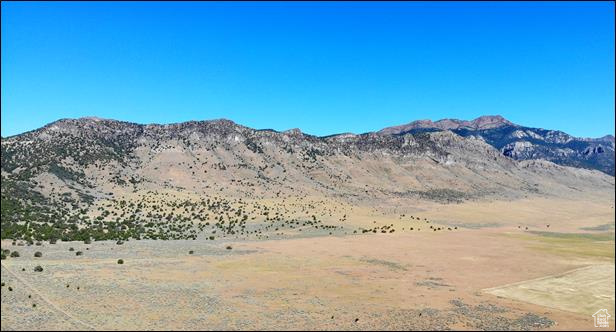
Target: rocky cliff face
x=524 y=143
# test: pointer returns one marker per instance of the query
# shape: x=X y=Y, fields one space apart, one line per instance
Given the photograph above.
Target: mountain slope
x=524 y=143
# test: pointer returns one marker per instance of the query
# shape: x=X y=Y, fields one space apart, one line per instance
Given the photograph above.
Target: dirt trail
x=46 y=300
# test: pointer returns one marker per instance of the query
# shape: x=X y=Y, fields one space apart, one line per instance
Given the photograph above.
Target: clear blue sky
x=323 y=67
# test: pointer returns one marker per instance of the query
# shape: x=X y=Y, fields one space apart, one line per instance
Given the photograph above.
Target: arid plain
x=492 y=265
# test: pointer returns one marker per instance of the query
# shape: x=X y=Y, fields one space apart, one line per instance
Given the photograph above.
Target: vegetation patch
x=599 y=228
x=598 y=246
x=391 y=265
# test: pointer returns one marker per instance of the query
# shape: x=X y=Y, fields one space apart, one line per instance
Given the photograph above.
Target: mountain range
x=69 y=170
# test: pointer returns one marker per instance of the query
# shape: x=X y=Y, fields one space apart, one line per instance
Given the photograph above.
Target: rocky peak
x=293 y=132
x=480 y=123
x=490 y=121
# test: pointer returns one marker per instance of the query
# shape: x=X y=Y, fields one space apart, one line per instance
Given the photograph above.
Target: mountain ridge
x=512 y=140
x=423 y=123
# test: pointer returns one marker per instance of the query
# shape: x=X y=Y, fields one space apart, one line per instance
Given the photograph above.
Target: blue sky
x=323 y=67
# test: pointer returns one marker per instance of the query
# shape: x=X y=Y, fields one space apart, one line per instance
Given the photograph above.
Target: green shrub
x=38 y=254
x=15 y=254
x=120 y=261
x=38 y=268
